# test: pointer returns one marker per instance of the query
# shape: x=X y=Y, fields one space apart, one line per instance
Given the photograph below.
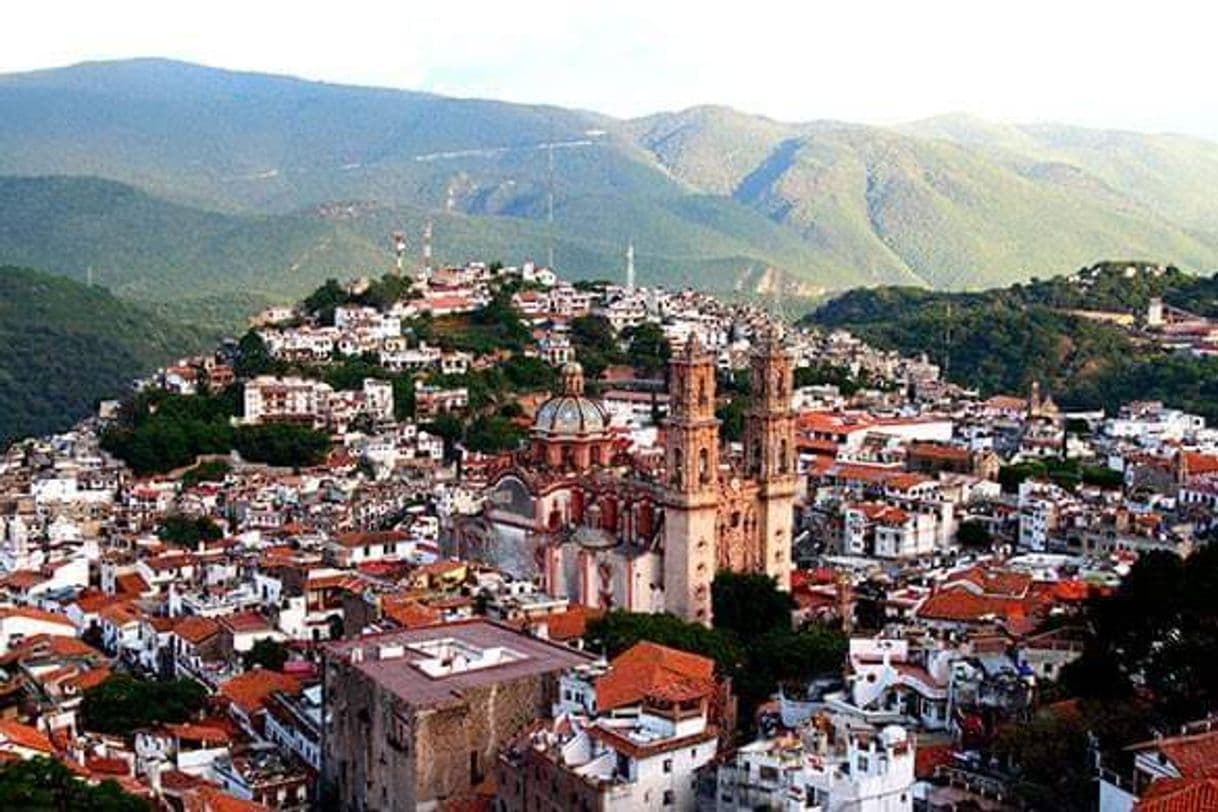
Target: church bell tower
x=769 y=448
x=691 y=487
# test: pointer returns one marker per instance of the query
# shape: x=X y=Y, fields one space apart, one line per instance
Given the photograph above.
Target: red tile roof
x=195 y=629
x=649 y=669
x=199 y=733
x=24 y=736
x=959 y=604
x=132 y=584
x=1194 y=755
x=251 y=690
x=367 y=538
x=993 y=581
x=246 y=622
x=1180 y=795
x=30 y=613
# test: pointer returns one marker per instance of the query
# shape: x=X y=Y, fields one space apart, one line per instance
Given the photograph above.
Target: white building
x=873 y=772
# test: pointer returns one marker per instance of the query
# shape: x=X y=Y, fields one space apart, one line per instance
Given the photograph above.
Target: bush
x=123 y=703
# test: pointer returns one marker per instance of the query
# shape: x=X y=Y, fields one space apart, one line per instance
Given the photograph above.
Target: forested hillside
x=1001 y=340
x=67 y=345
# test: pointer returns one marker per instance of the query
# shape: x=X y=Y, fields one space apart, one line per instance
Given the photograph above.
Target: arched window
x=702 y=399
x=784 y=461
x=676 y=470
x=755 y=463
x=704 y=472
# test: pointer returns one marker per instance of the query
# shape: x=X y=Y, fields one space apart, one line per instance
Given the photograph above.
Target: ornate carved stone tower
x=691 y=489
x=769 y=443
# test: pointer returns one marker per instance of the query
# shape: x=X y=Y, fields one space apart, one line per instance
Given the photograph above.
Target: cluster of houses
x=418 y=671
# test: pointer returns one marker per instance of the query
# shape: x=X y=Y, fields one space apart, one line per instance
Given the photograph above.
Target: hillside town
x=480 y=537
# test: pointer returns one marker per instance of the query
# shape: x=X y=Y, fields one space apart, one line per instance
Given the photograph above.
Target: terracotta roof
x=22 y=579
x=960 y=604
x=250 y=691
x=993 y=581
x=25 y=736
x=94 y=600
x=212 y=799
x=1006 y=403
x=121 y=613
x=131 y=584
x=31 y=613
x=409 y=613
x=196 y=629
x=1180 y=795
x=246 y=622
x=568 y=625
x=366 y=538
x=939 y=451
x=91 y=678
x=1194 y=755
x=649 y=669
x=50 y=644
x=1198 y=463
x=107 y=766
x=199 y=733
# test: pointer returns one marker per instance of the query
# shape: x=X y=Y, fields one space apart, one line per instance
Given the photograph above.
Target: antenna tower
x=399 y=250
x=427 y=248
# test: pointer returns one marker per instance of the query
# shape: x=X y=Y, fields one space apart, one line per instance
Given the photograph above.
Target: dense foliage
x=206 y=471
x=160 y=432
x=67 y=346
x=1001 y=340
x=123 y=703
x=266 y=653
x=46 y=785
x=186 y=531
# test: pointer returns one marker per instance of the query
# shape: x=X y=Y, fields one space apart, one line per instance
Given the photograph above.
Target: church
x=613 y=530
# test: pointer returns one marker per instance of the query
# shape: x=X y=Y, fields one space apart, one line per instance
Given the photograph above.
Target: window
x=475 y=770
x=667 y=765
x=669 y=797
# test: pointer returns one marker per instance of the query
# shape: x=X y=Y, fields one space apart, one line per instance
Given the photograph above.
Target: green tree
x=46 y=785
x=188 y=531
x=749 y=604
x=492 y=435
x=253 y=357
x=321 y=302
x=974 y=535
x=649 y=350
x=267 y=653
x=282 y=444
x=731 y=416
x=209 y=471
x=123 y=703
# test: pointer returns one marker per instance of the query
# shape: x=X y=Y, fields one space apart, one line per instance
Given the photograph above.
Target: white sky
x=1146 y=66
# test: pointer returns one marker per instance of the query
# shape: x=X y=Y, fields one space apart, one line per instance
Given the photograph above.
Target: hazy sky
x=1148 y=66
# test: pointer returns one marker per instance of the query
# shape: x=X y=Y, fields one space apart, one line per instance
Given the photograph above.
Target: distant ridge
x=710 y=196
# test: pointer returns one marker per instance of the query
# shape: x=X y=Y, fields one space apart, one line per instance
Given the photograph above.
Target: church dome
x=571 y=413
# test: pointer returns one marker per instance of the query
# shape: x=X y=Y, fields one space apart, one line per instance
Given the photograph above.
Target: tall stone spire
x=769 y=448
x=691 y=487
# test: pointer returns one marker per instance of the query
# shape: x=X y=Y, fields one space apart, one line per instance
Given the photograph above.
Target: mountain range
x=199 y=190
